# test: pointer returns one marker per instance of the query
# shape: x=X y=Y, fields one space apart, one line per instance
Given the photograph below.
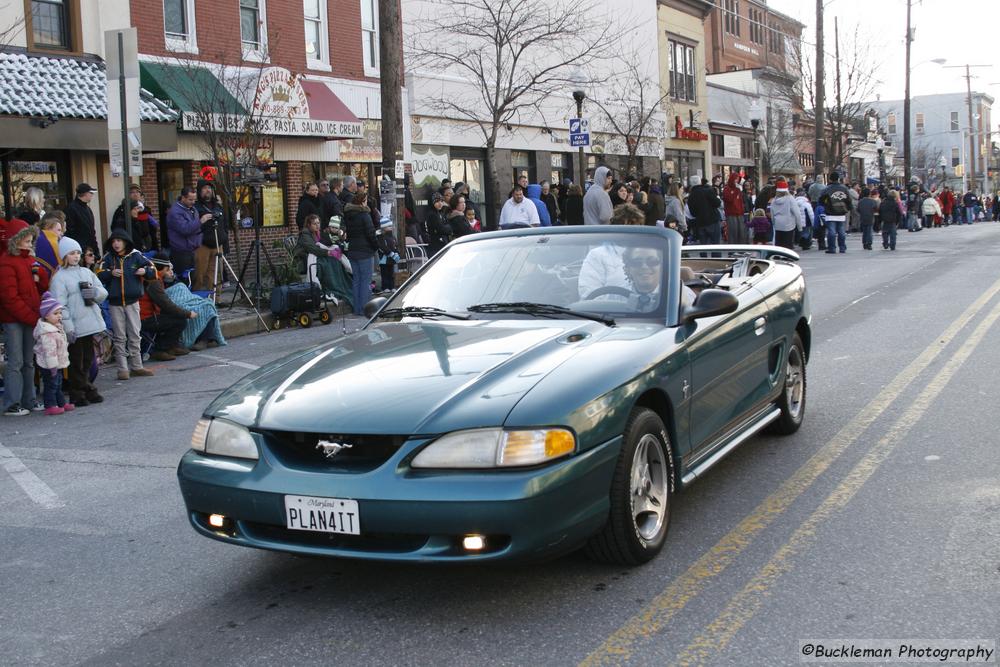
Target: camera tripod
x=254 y=251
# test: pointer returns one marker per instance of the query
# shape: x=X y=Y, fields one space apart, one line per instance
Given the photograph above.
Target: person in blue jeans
x=362 y=245
x=970 y=202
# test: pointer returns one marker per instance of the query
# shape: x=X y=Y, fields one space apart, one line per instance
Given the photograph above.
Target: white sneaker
x=15 y=410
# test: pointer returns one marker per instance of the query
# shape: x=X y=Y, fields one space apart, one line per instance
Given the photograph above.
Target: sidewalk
x=241 y=320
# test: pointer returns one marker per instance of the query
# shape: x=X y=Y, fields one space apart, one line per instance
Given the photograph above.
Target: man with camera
x=213 y=236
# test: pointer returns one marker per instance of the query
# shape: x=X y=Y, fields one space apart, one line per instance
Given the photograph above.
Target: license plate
x=322 y=515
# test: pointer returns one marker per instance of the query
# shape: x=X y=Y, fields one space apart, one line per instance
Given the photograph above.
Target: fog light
x=216 y=520
x=474 y=542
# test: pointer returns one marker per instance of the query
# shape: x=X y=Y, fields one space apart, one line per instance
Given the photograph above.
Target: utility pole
x=906 y=102
x=971 y=162
x=391 y=77
x=820 y=91
x=838 y=121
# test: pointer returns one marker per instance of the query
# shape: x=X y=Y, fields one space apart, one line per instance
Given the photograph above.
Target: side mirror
x=373 y=306
x=711 y=302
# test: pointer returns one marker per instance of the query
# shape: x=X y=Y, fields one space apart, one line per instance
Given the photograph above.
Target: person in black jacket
x=205 y=277
x=551 y=203
x=309 y=204
x=889 y=215
x=80 y=219
x=704 y=204
x=437 y=231
x=331 y=202
x=361 y=248
x=573 y=208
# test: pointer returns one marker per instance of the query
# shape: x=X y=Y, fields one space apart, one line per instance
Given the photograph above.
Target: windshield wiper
x=530 y=308
x=421 y=311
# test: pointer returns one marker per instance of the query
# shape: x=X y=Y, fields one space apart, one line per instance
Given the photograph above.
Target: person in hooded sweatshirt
x=786 y=216
x=597 y=208
x=534 y=193
x=81 y=291
x=123 y=271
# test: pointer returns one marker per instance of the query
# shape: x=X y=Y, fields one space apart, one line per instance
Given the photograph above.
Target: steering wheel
x=608 y=289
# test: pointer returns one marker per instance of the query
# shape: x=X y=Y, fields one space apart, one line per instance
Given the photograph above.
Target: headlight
x=496 y=448
x=223 y=438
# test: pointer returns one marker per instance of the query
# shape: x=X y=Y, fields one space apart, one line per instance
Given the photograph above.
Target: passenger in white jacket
x=80 y=291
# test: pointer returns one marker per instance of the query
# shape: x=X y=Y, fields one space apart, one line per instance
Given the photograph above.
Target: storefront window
x=472 y=173
x=683 y=165
x=562 y=167
x=523 y=163
x=39 y=169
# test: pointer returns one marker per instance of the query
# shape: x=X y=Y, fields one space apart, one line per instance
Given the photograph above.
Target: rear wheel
x=324 y=316
x=641 y=492
x=792 y=400
x=305 y=320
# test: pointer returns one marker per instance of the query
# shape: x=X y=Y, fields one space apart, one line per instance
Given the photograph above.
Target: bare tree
x=632 y=104
x=777 y=141
x=853 y=78
x=511 y=54
x=224 y=106
x=10 y=31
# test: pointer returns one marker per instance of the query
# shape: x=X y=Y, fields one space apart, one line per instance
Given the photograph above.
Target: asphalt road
x=880 y=518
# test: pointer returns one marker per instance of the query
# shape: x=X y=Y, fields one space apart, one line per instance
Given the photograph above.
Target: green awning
x=189 y=88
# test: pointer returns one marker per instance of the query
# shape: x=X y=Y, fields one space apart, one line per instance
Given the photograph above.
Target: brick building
x=307 y=72
x=745 y=34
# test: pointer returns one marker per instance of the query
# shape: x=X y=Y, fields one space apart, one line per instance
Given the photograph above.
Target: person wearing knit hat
x=52 y=354
x=80 y=291
x=786 y=215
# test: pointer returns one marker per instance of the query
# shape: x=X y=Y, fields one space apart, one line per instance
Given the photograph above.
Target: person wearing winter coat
x=361 y=249
x=704 y=204
x=867 y=208
x=436 y=230
x=51 y=355
x=572 y=208
x=213 y=235
x=20 y=299
x=551 y=202
x=732 y=200
x=786 y=216
x=144 y=225
x=81 y=292
x=456 y=218
x=309 y=204
x=890 y=215
x=534 y=193
x=184 y=230
x=674 y=208
x=808 y=218
x=80 y=219
x=388 y=254
x=161 y=319
x=597 y=208
x=325 y=247
x=930 y=208
x=123 y=272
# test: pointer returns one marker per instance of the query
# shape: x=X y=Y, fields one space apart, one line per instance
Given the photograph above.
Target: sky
x=959 y=30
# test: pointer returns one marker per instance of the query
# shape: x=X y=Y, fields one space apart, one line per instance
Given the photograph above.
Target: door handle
x=759 y=325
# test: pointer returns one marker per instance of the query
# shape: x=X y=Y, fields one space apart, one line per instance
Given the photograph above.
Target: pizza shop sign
x=690 y=133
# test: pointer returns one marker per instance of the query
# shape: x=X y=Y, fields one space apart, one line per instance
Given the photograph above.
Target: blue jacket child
x=127 y=288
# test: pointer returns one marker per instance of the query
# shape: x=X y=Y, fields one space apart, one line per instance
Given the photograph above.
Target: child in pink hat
x=52 y=354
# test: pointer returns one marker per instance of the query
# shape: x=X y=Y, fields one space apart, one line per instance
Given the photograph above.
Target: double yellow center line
x=654 y=617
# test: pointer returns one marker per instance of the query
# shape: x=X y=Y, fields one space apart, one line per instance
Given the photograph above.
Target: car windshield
x=611 y=274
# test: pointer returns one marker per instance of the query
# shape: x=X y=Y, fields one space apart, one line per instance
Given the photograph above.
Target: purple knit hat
x=49 y=304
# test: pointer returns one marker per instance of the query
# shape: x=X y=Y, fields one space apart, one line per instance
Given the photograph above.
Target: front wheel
x=641 y=492
x=792 y=400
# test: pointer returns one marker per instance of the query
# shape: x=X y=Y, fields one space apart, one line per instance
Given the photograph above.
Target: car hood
x=406 y=379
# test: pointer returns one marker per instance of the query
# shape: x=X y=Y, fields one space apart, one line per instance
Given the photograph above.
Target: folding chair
x=416 y=254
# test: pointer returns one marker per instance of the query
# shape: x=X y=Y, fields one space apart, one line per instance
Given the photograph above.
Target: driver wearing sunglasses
x=644 y=272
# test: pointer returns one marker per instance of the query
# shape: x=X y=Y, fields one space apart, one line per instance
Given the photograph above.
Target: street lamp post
x=580 y=96
x=943 y=164
x=880 y=149
x=756 y=114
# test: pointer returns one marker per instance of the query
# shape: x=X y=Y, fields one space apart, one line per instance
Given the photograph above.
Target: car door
x=729 y=369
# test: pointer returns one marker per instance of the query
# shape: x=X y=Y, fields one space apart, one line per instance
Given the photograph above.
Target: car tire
x=792 y=400
x=635 y=533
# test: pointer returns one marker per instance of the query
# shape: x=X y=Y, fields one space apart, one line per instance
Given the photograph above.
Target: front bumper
x=405 y=514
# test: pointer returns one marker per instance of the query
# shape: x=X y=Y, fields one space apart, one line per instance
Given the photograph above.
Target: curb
x=246 y=325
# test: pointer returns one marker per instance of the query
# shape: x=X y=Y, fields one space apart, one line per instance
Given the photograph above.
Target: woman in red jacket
x=732 y=200
x=20 y=298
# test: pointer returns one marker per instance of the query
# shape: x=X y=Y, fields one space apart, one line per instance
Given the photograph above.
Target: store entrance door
x=472 y=172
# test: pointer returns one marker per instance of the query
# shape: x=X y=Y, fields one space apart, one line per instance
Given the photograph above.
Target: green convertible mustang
x=525 y=393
